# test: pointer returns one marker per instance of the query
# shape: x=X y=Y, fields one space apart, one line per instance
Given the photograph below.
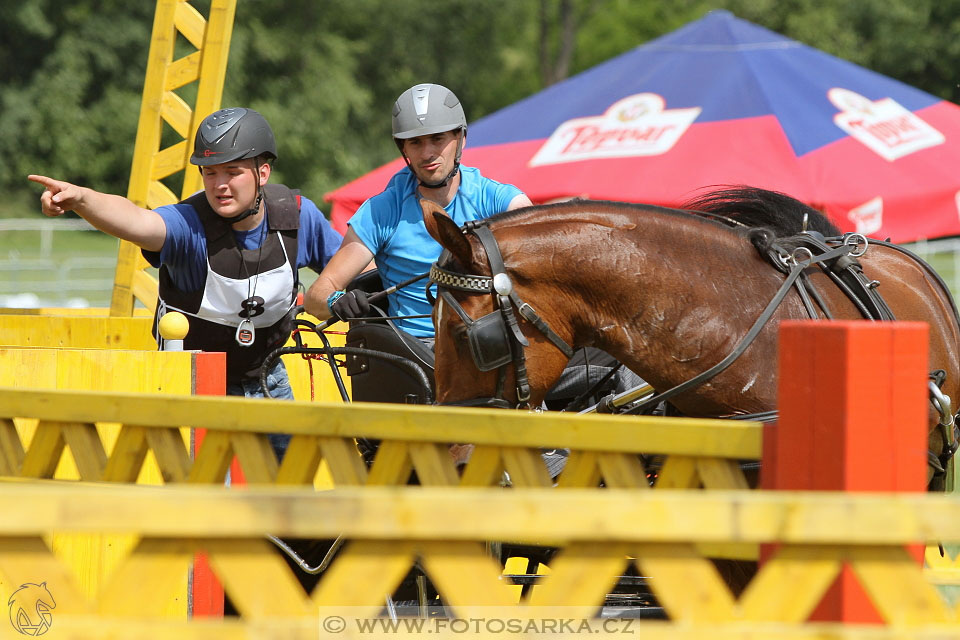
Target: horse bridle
x=495 y=340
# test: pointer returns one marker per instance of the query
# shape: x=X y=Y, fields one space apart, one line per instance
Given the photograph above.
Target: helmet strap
x=450 y=176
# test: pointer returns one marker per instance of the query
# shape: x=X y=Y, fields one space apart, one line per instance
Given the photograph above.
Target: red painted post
x=853 y=416
x=209 y=379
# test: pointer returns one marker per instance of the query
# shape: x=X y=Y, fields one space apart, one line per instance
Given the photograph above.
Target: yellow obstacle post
x=161 y=104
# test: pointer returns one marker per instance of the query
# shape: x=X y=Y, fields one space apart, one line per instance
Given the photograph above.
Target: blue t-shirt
x=185 y=248
x=390 y=224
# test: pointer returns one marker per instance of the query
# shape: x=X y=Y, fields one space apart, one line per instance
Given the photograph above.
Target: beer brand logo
x=637 y=125
x=30 y=607
x=868 y=217
x=884 y=126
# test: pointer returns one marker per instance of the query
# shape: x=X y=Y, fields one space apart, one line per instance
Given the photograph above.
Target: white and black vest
x=229 y=296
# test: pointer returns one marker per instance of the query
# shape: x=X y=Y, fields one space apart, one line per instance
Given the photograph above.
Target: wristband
x=336 y=295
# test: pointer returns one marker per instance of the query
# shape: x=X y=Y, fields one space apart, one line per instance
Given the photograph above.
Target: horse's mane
x=763 y=214
x=755 y=207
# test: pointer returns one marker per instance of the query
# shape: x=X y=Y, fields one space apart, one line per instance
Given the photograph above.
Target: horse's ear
x=445 y=231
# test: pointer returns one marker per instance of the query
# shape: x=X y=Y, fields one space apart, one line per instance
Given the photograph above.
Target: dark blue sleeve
x=184 y=249
x=317 y=240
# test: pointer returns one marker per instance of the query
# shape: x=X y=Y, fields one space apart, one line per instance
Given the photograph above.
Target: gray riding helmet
x=232 y=134
x=426 y=109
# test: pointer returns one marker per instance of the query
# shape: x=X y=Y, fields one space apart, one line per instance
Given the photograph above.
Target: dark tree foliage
x=326 y=72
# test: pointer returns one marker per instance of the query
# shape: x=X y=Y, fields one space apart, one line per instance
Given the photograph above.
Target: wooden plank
x=162 y=564
x=808 y=573
x=627 y=434
x=11 y=449
x=344 y=460
x=898 y=591
x=213 y=459
x=622 y=471
x=169 y=160
x=170 y=452
x=483 y=514
x=484 y=469
x=580 y=577
x=46 y=447
x=181 y=72
x=433 y=464
x=687 y=585
x=256 y=578
x=466 y=576
x=721 y=474
x=678 y=472
x=256 y=457
x=190 y=23
x=525 y=467
x=300 y=462
x=87 y=449
x=129 y=452
x=392 y=464
x=364 y=574
x=581 y=471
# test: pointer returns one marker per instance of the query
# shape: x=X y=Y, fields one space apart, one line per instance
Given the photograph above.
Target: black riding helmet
x=234 y=134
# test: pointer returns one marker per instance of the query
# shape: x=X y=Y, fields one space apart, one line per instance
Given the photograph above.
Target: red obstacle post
x=853 y=416
x=209 y=379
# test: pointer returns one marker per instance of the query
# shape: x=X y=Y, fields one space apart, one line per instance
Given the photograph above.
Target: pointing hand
x=58 y=197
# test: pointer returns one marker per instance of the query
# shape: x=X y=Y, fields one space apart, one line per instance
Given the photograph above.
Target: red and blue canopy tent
x=722 y=101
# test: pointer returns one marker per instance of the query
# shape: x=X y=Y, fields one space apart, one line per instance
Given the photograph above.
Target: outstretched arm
x=347 y=263
x=111 y=214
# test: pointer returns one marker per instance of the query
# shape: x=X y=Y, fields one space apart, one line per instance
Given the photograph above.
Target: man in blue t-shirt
x=229 y=255
x=430 y=130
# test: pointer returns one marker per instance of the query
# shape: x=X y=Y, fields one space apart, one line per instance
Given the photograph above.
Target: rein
x=796 y=269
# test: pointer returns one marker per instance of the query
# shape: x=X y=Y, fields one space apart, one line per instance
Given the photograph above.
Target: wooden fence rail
x=444 y=530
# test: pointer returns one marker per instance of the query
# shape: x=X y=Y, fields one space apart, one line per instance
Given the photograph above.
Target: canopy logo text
x=887 y=128
x=637 y=125
x=868 y=217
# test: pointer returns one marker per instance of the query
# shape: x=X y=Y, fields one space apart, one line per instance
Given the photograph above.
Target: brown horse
x=668 y=293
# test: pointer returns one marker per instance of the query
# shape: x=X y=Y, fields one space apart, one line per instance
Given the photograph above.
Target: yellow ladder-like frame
x=207 y=66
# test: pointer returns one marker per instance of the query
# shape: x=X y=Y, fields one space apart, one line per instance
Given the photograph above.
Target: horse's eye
x=460 y=333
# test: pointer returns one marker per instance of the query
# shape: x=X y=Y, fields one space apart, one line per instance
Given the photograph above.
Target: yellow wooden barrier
x=93 y=556
x=67 y=311
x=698 y=452
x=162 y=105
x=76 y=331
x=102 y=332
x=444 y=530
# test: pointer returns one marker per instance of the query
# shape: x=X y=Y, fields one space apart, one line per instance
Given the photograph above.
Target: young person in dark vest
x=229 y=255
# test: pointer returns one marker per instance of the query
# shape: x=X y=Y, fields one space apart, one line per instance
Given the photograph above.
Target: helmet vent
x=421 y=101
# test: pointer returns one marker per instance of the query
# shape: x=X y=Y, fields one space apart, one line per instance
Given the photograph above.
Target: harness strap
x=751 y=334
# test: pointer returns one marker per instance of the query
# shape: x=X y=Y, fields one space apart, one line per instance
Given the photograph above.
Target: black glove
x=352 y=304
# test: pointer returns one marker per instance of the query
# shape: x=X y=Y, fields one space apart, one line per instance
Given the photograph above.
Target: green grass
x=76 y=269
x=70 y=268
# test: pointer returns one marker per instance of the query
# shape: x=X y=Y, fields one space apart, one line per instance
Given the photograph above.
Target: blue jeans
x=278 y=384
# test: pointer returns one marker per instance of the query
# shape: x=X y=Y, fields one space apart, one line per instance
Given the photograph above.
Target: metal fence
x=37 y=274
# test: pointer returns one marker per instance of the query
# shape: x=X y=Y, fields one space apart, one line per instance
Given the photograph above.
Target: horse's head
x=495 y=342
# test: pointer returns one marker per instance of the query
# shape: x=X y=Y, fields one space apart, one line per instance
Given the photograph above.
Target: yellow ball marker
x=173 y=329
